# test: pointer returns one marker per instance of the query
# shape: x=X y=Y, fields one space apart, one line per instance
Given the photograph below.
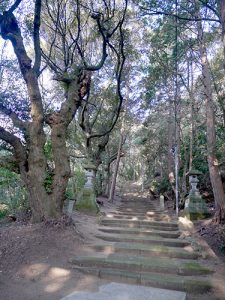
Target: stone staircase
x=141 y=245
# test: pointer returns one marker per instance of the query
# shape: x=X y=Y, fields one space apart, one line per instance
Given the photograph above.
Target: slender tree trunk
x=215 y=177
x=106 y=184
x=170 y=159
x=113 y=184
x=222 y=18
x=191 y=139
x=184 y=181
x=177 y=143
x=192 y=114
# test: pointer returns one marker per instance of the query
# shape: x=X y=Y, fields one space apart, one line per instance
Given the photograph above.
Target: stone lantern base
x=87 y=201
x=195 y=208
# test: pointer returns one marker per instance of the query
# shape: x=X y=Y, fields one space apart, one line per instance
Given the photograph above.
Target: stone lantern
x=87 y=198
x=195 y=207
x=193 y=180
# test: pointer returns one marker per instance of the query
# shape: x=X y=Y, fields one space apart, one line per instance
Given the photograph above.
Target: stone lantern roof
x=194 y=172
x=89 y=165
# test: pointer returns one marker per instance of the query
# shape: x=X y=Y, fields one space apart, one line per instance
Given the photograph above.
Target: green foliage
x=220 y=142
x=164 y=185
x=48 y=150
x=48 y=182
x=4 y=209
x=12 y=192
x=76 y=183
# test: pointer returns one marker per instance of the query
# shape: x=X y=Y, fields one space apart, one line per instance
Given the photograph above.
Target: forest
x=80 y=80
x=130 y=91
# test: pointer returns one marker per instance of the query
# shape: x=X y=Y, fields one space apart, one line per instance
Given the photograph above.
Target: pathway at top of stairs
x=139 y=244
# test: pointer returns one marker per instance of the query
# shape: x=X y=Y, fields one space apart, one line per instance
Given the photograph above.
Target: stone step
x=139 y=224
x=140 y=218
x=138 y=202
x=137 y=209
x=147 y=213
x=156 y=240
x=173 y=282
x=135 y=201
x=162 y=223
x=157 y=214
x=146 y=250
x=140 y=232
x=143 y=264
x=136 y=226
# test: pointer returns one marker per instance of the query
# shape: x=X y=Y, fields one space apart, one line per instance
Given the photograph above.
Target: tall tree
x=215 y=177
x=73 y=38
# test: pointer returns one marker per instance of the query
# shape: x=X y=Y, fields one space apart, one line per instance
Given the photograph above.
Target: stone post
x=195 y=207
x=161 y=202
x=87 y=198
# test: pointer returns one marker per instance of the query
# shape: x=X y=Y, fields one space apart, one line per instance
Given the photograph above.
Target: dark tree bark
x=213 y=164
x=115 y=173
x=31 y=158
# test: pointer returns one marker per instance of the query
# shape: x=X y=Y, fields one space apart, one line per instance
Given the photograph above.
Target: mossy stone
x=87 y=202
x=196 y=209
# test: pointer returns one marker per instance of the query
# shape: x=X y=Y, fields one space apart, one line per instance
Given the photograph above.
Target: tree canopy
x=139 y=82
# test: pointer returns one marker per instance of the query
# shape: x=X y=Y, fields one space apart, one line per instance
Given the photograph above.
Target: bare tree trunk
x=215 y=177
x=170 y=163
x=192 y=115
x=222 y=18
x=113 y=184
x=106 y=184
x=177 y=144
x=62 y=170
x=191 y=134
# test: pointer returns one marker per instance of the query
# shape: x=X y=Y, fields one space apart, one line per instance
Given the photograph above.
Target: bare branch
x=19 y=149
x=13 y=116
x=36 y=36
x=10 y=31
x=114 y=156
x=51 y=63
x=121 y=61
x=210 y=7
x=150 y=12
x=14 y=6
x=104 y=44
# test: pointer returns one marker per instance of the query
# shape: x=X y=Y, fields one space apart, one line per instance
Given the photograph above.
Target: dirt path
x=35 y=260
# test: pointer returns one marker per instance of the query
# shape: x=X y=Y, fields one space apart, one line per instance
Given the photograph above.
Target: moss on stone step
x=153 y=279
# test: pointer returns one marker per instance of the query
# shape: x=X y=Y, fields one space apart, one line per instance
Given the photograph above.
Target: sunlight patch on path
x=116 y=291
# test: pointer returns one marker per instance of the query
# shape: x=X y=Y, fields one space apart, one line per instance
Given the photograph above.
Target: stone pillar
x=195 y=207
x=161 y=202
x=70 y=206
x=87 y=198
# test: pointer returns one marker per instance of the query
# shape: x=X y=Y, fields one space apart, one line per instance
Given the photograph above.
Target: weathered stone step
x=143 y=264
x=146 y=250
x=137 y=209
x=135 y=201
x=140 y=218
x=173 y=282
x=137 y=204
x=137 y=226
x=140 y=232
x=162 y=223
x=147 y=213
x=136 y=223
x=145 y=240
